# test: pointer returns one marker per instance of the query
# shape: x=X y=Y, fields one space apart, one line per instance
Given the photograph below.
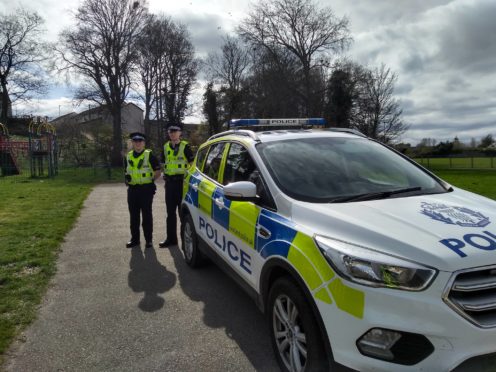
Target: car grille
x=473 y=295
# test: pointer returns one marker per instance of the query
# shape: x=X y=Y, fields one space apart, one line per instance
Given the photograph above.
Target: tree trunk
x=5 y=103
x=117 y=156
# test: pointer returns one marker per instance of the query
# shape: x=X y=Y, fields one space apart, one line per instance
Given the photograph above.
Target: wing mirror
x=241 y=191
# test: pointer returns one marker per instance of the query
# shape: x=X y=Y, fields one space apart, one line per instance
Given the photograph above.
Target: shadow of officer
x=148 y=275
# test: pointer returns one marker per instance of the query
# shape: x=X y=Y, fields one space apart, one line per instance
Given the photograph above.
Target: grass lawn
x=479 y=181
x=35 y=215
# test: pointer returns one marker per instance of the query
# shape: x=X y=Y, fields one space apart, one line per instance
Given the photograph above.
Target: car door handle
x=263 y=232
x=195 y=186
x=219 y=202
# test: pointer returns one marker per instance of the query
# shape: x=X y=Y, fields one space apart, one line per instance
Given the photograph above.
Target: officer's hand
x=127 y=179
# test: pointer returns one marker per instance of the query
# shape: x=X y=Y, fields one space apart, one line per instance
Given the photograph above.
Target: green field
x=479 y=181
x=458 y=163
x=35 y=215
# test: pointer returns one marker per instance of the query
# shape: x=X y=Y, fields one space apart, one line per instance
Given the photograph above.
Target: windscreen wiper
x=375 y=195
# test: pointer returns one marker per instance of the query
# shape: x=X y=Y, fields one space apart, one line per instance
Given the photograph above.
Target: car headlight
x=375 y=269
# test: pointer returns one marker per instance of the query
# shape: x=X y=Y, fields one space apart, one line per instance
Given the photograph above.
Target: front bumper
x=454 y=338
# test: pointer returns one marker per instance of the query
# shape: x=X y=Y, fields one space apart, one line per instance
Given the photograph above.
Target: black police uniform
x=139 y=200
x=173 y=196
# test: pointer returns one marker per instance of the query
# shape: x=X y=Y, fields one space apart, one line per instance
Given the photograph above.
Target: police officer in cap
x=176 y=158
x=142 y=169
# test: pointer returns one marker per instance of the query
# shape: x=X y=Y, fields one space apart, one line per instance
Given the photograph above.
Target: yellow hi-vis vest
x=175 y=164
x=139 y=168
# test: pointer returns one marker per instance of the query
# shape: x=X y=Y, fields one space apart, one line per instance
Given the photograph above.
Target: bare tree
x=228 y=68
x=179 y=69
x=301 y=28
x=150 y=51
x=102 y=48
x=377 y=113
x=21 y=53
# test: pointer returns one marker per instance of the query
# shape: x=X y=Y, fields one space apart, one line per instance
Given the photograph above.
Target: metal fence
x=471 y=162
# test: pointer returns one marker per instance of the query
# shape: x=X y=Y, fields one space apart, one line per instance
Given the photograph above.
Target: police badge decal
x=454 y=215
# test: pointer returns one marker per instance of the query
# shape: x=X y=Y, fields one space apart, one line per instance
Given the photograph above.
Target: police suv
x=359 y=256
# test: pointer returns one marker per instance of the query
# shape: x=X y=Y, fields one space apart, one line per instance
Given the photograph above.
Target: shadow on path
x=227 y=306
x=148 y=275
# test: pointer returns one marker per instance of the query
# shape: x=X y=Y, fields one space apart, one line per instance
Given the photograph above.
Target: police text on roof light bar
x=275 y=122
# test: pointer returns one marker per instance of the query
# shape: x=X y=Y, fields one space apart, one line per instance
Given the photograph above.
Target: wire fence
x=457 y=162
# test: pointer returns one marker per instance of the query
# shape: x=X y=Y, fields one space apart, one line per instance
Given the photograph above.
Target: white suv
x=359 y=256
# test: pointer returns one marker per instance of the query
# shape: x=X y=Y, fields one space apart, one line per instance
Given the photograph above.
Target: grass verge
x=479 y=181
x=35 y=215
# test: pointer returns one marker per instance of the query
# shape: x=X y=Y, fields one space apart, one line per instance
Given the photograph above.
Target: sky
x=443 y=52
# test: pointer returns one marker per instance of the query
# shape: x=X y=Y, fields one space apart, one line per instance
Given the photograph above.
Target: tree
x=229 y=68
x=179 y=71
x=342 y=93
x=210 y=109
x=102 y=47
x=301 y=28
x=150 y=51
x=377 y=113
x=486 y=141
x=21 y=53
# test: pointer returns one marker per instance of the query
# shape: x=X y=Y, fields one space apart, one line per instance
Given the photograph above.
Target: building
x=131 y=114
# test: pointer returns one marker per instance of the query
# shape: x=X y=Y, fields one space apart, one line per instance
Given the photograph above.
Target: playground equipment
x=8 y=162
x=42 y=148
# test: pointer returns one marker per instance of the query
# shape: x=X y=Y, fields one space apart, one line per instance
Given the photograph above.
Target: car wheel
x=192 y=255
x=296 y=338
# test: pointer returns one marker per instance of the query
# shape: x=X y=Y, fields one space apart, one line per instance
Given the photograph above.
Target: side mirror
x=241 y=191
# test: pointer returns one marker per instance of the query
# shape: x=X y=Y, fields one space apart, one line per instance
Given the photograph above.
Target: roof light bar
x=235 y=123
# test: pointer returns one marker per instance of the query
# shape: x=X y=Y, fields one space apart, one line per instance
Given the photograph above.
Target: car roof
x=285 y=134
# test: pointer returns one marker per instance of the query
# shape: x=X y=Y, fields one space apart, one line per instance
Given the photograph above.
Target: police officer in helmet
x=142 y=169
x=177 y=156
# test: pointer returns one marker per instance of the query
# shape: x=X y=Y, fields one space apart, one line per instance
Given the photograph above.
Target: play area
x=33 y=154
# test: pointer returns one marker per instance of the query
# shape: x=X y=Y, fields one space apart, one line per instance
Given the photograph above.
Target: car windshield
x=343 y=169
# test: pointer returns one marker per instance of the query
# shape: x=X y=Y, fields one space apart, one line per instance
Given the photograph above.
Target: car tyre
x=295 y=335
x=192 y=255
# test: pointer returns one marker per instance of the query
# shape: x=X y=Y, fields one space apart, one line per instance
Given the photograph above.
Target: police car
x=358 y=256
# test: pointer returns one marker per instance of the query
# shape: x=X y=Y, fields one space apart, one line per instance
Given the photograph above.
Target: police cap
x=173 y=127
x=137 y=136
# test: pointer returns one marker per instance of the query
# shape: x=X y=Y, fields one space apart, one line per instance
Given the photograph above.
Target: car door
x=243 y=223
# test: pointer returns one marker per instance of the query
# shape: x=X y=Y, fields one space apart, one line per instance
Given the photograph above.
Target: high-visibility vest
x=139 y=168
x=175 y=164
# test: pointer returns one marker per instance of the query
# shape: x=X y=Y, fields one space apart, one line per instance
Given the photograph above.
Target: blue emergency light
x=236 y=123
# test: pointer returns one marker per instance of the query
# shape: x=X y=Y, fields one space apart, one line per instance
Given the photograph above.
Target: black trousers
x=139 y=201
x=173 y=197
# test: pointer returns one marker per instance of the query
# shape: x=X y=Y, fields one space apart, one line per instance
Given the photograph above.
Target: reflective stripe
x=205 y=192
x=243 y=221
x=348 y=299
x=323 y=296
x=139 y=168
x=175 y=164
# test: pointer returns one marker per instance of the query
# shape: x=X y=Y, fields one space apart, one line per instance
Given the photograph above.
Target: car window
x=213 y=161
x=324 y=169
x=200 y=157
x=240 y=166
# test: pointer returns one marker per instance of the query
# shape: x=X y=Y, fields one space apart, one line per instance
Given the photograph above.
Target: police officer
x=176 y=157
x=141 y=171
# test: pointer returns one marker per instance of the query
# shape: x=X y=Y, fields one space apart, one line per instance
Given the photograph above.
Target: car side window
x=200 y=157
x=214 y=159
x=239 y=164
x=241 y=167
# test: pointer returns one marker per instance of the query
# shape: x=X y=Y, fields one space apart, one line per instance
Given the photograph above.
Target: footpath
x=110 y=308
